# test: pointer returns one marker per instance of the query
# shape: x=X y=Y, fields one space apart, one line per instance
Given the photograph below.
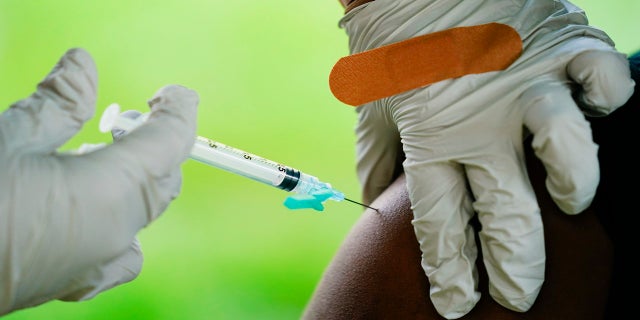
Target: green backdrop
x=226 y=248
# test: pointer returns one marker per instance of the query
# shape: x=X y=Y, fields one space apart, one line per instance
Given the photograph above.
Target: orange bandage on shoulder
x=420 y=61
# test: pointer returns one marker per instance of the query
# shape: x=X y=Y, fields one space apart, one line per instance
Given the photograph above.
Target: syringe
x=312 y=192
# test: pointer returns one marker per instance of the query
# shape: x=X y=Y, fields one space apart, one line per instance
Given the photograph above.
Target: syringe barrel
x=243 y=163
x=234 y=160
x=259 y=169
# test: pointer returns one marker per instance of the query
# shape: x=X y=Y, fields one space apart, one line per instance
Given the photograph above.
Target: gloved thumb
x=165 y=140
x=151 y=154
x=63 y=101
x=605 y=81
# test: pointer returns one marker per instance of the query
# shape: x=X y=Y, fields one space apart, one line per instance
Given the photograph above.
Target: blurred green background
x=226 y=248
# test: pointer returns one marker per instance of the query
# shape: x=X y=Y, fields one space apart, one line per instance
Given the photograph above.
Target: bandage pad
x=391 y=69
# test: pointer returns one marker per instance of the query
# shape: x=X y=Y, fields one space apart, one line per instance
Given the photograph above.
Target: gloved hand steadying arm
x=69 y=221
x=461 y=138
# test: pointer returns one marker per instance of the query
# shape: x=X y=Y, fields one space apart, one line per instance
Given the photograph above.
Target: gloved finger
x=168 y=186
x=378 y=150
x=63 y=101
x=604 y=78
x=442 y=212
x=157 y=148
x=165 y=140
x=512 y=234
x=562 y=140
x=96 y=279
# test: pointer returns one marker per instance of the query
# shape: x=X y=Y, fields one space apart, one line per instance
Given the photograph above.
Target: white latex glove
x=462 y=139
x=69 y=221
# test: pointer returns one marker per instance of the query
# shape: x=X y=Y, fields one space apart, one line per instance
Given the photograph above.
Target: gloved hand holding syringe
x=310 y=191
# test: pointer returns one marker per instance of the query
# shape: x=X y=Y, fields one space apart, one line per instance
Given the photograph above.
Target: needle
x=362 y=204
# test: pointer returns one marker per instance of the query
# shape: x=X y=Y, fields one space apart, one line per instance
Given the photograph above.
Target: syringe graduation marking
x=249 y=165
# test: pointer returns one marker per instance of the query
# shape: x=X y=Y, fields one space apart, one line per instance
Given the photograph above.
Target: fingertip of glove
x=174 y=109
x=174 y=94
x=79 y=53
x=81 y=58
x=71 y=85
x=178 y=101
